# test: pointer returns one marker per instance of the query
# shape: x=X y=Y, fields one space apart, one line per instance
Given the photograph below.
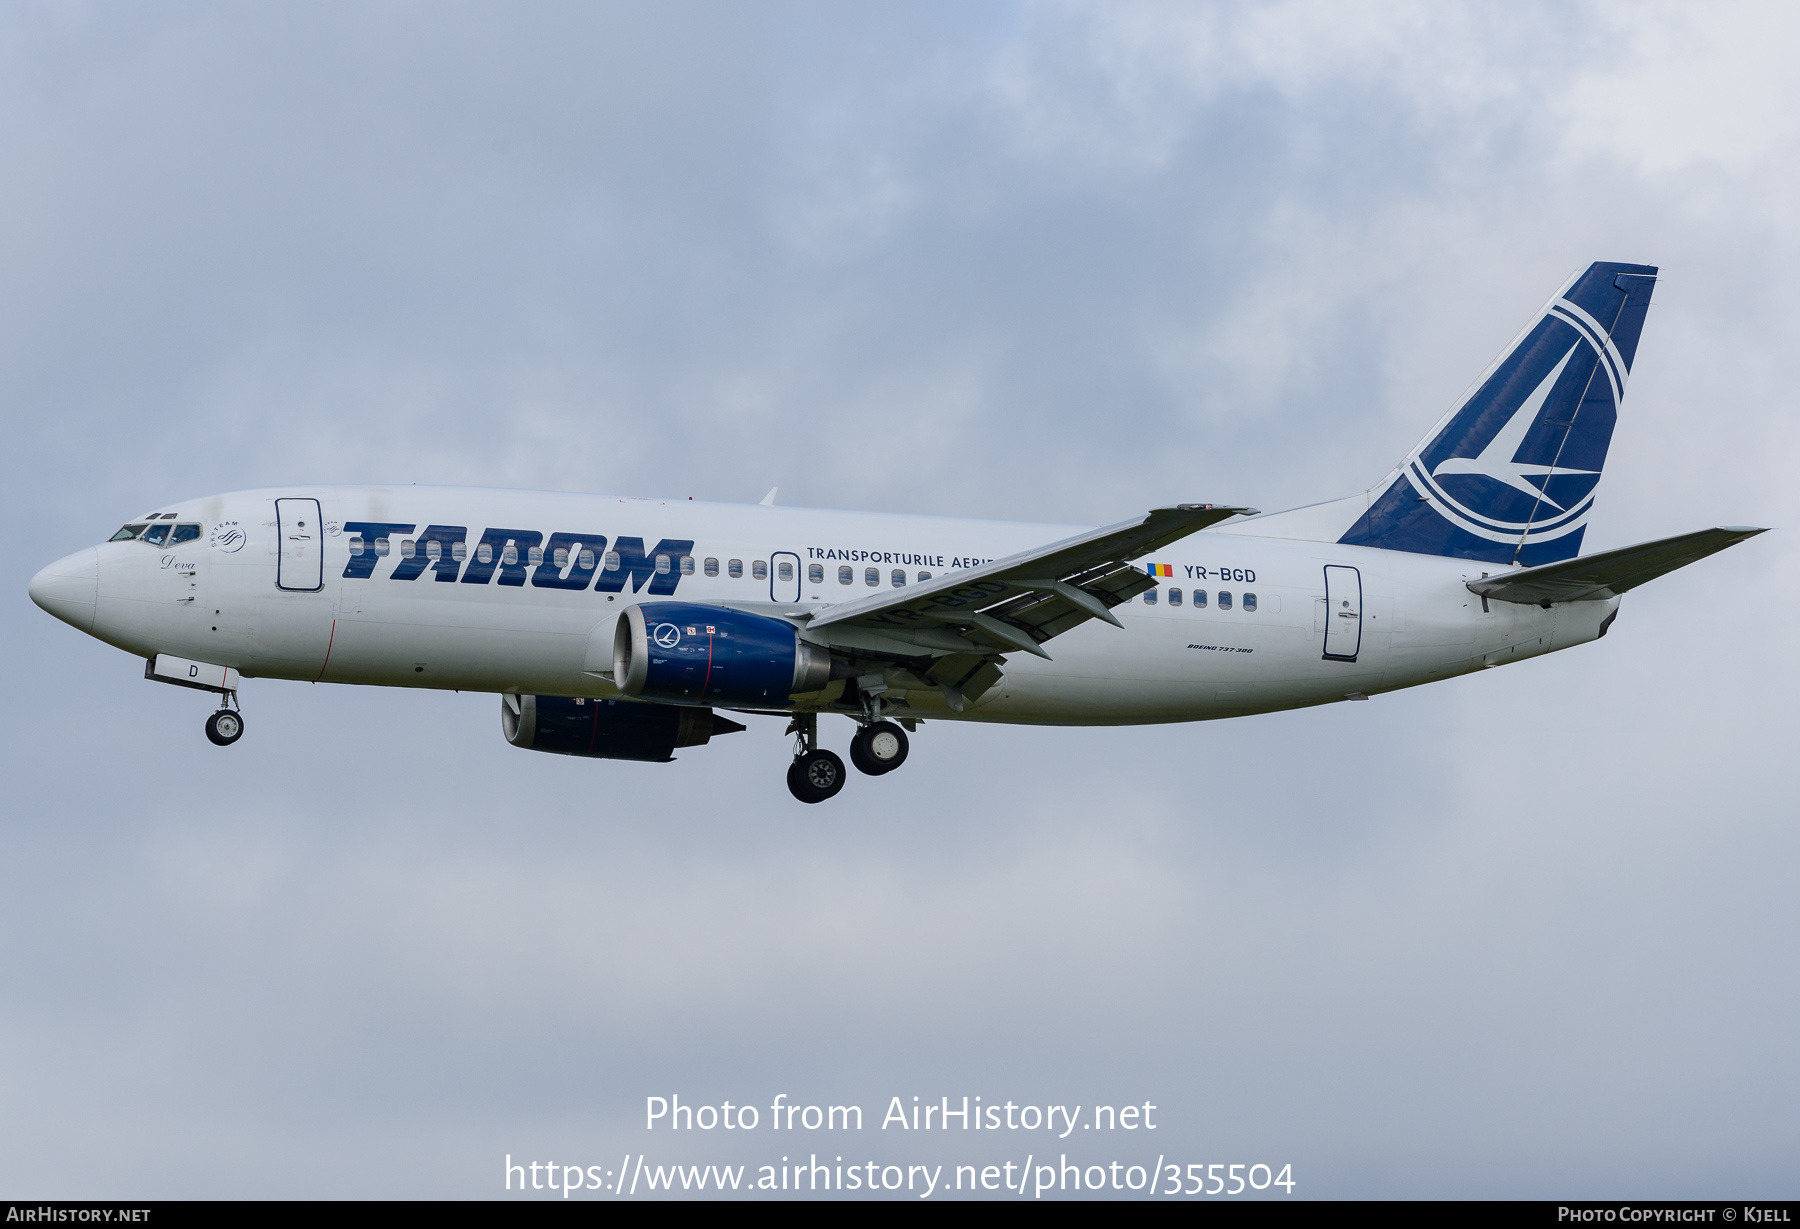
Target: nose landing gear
x=225 y=726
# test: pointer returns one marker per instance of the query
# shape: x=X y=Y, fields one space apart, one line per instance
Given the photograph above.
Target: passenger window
x=1150 y=597
x=509 y=554
x=610 y=563
x=815 y=572
x=459 y=551
x=356 y=544
x=1199 y=599
x=485 y=553
x=759 y=569
x=408 y=548
x=924 y=576
x=712 y=566
x=898 y=578
x=872 y=577
x=846 y=574
x=434 y=550
x=586 y=558
x=561 y=558
x=185 y=533
x=1174 y=597
x=736 y=568
x=662 y=565
x=1249 y=602
x=1224 y=600
x=534 y=556
x=156 y=535
x=784 y=570
x=687 y=565
x=126 y=533
x=381 y=548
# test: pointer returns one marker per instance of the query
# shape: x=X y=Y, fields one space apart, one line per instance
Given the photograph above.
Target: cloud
x=1519 y=934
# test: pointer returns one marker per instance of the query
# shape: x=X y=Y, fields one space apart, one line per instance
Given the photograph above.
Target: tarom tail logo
x=1523 y=455
x=1509 y=475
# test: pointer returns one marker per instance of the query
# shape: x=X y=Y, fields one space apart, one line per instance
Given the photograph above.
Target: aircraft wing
x=1017 y=603
x=1596 y=577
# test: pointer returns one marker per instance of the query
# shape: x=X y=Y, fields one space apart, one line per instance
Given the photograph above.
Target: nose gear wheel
x=225 y=727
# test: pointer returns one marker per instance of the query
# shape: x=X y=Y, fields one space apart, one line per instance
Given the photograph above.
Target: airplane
x=1464 y=557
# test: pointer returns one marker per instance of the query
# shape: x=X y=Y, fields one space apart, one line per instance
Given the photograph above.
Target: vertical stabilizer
x=1508 y=475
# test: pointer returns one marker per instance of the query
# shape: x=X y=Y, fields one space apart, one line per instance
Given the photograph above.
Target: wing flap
x=1035 y=594
x=1592 y=578
x=1048 y=611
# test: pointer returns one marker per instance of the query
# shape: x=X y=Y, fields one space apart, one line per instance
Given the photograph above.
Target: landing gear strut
x=225 y=726
x=815 y=775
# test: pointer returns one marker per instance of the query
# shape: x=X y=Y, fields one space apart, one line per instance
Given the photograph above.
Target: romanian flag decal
x=1159 y=569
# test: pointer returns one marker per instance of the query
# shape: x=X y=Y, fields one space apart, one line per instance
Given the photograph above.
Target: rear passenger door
x=1343 y=613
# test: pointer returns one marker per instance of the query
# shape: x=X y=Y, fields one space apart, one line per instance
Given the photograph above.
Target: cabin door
x=1343 y=613
x=301 y=564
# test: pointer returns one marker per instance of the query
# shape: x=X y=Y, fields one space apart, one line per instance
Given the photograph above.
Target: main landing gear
x=816 y=774
x=878 y=747
x=227 y=725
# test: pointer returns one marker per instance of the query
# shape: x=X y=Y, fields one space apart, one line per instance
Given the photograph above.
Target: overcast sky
x=1530 y=933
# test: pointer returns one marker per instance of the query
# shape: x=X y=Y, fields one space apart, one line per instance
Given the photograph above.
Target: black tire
x=815 y=776
x=224 y=727
x=879 y=747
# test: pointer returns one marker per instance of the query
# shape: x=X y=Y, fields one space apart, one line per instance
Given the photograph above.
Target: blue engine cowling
x=607 y=729
x=684 y=653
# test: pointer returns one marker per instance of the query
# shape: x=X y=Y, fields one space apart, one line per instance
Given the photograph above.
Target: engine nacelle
x=607 y=729
x=685 y=653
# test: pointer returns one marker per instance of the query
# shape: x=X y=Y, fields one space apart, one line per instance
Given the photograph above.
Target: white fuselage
x=215 y=599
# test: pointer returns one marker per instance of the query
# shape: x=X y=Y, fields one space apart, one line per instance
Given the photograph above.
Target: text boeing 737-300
x=1465 y=556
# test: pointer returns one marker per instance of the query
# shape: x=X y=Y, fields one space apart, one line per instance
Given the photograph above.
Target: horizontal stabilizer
x=1593 y=578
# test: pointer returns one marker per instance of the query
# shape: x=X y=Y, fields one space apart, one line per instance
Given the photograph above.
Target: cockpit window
x=158 y=535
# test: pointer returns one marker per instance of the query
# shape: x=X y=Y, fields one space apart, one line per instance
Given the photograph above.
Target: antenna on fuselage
x=768 y=501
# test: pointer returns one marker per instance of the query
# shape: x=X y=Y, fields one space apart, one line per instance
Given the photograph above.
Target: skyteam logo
x=1508 y=476
x=227 y=536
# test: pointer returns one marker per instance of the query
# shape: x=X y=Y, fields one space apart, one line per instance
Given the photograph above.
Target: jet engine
x=684 y=653
x=607 y=729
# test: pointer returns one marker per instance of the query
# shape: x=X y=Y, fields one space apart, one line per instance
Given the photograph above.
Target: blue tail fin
x=1508 y=476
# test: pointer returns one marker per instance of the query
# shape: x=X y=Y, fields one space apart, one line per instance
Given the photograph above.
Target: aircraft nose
x=68 y=587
